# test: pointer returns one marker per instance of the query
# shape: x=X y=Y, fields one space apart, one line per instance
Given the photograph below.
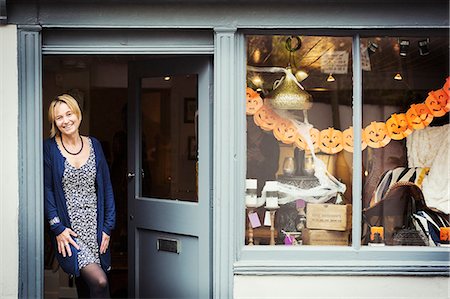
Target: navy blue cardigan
x=55 y=202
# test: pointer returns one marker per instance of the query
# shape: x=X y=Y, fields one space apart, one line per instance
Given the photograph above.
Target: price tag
x=254 y=220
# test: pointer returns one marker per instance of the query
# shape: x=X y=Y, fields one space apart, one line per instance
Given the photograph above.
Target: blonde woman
x=79 y=201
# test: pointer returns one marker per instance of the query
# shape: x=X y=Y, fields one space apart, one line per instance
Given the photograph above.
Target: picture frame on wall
x=190 y=107
x=192 y=148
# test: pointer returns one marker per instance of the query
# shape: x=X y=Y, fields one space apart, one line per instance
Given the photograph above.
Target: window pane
x=169 y=143
x=406 y=172
x=299 y=140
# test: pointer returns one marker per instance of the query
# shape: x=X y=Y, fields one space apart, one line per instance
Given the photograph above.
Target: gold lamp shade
x=289 y=96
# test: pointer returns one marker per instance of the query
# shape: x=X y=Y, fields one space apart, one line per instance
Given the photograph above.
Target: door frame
x=179 y=65
x=223 y=45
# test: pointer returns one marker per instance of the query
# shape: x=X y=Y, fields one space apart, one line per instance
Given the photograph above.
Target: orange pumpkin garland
x=376 y=134
x=266 y=118
x=347 y=140
x=398 y=127
x=419 y=116
x=285 y=131
x=330 y=141
x=254 y=101
x=300 y=141
x=436 y=102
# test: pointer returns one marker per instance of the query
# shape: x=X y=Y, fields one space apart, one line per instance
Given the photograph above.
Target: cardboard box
x=329 y=216
x=325 y=237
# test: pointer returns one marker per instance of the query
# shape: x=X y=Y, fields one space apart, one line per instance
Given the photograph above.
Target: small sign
x=334 y=63
x=254 y=220
x=365 y=59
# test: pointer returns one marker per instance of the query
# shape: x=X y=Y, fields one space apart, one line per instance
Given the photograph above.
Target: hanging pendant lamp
x=288 y=95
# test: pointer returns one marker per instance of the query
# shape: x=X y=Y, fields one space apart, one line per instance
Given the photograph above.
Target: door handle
x=131 y=175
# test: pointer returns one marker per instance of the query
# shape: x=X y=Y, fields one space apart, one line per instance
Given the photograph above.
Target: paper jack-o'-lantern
x=347 y=140
x=285 y=131
x=300 y=141
x=437 y=102
x=398 y=127
x=330 y=141
x=419 y=116
x=254 y=101
x=376 y=135
x=446 y=87
x=265 y=118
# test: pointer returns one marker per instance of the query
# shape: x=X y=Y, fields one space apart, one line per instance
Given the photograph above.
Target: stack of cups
x=250 y=193
x=271 y=189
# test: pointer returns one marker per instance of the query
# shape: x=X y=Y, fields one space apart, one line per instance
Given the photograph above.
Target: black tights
x=93 y=282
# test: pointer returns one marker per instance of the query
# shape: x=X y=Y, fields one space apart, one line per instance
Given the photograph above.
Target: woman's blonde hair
x=69 y=101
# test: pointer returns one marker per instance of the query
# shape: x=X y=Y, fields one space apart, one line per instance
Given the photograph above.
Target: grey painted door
x=170 y=175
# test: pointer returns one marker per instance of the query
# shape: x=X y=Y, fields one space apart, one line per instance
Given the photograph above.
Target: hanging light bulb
x=398 y=77
x=257 y=81
x=330 y=78
x=301 y=75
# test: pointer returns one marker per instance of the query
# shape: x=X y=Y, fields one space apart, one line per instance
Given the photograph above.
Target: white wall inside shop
x=9 y=171
x=348 y=287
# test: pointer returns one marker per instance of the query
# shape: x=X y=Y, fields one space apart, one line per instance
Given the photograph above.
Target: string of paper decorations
x=332 y=141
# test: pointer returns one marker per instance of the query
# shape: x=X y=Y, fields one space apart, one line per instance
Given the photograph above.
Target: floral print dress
x=81 y=200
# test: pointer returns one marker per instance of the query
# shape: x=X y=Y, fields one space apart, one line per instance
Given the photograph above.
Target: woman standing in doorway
x=79 y=201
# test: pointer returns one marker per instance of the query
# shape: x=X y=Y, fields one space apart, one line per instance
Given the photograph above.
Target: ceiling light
x=167 y=78
x=398 y=77
x=257 y=81
x=404 y=45
x=372 y=47
x=330 y=78
x=288 y=95
x=257 y=55
x=301 y=75
x=423 y=47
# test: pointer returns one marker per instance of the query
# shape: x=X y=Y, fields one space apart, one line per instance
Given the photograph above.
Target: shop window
x=405 y=121
x=299 y=111
x=299 y=140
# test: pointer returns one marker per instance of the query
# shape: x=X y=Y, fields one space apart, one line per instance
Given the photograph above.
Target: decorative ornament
x=398 y=127
x=254 y=101
x=266 y=118
x=446 y=87
x=376 y=135
x=300 y=141
x=288 y=95
x=437 y=102
x=330 y=141
x=419 y=116
x=347 y=140
x=285 y=131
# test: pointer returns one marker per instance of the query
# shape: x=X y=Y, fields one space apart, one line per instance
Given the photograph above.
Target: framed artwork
x=190 y=107
x=192 y=148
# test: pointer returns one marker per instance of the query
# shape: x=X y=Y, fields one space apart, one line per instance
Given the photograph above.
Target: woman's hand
x=64 y=239
x=105 y=243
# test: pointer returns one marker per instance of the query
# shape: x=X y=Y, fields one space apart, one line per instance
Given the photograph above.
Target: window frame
x=328 y=260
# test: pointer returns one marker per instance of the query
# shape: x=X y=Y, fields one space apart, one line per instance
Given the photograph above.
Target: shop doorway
x=153 y=119
x=169 y=229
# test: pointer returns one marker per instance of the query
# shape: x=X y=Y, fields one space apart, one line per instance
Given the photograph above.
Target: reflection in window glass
x=299 y=140
x=405 y=121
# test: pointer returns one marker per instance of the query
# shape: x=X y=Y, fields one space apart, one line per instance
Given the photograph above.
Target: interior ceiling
x=419 y=71
x=266 y=50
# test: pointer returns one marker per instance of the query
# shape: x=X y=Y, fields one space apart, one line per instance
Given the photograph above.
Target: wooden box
x=325 y=237
x=329 y=217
